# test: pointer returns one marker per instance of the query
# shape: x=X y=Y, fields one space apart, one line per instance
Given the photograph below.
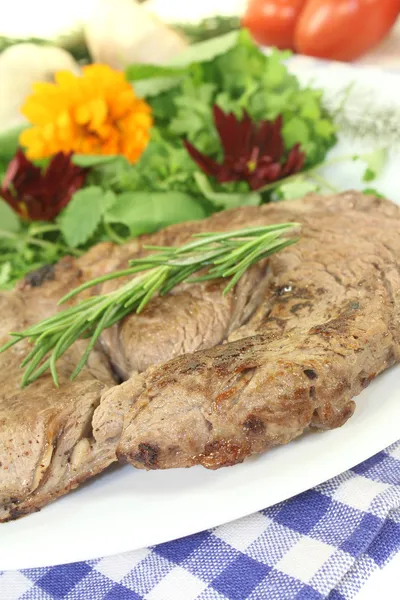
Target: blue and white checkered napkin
x=324 y=543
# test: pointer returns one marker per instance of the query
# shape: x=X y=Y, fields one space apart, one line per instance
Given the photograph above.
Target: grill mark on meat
x=339 y=324
x=298 y=307
x=310 y=373
x=209 y=425
x=147 y=455
x=234 y=388
x=254 y=425
x=38 y=277
x=222 y=453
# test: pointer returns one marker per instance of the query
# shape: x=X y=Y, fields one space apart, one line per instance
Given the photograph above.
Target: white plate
x=125 y=509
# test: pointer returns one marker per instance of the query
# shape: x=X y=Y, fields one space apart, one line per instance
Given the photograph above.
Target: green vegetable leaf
x=295 y=131
x=325 y=128
x=225 y=199
x=80 y=219
x=206 y=51
x=5 y=273
x=94 y=160
x=150 y=88
x=137 y=72
x=9 y=220
x=296 y=189
x=145 y=212
x=375 y=161
x=150 y=80
x=9 y=142
x=373 y=192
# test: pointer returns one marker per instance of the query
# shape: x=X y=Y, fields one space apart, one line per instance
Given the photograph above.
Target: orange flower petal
x=97 y=112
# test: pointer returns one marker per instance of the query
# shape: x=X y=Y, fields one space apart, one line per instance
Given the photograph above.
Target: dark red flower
x=39 y=195
x=253 y=153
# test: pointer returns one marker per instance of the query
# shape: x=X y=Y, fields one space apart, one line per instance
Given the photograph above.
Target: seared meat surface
x=47 y=446
x=210 y=380
x=40 y=426
x=329 y=323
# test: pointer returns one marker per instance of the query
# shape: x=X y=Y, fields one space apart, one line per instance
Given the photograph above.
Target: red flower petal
x=294 y=162
x=41 y=196
x=206 y=164
x=251 y=153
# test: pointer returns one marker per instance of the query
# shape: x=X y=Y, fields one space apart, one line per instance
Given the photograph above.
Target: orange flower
x=96 y=113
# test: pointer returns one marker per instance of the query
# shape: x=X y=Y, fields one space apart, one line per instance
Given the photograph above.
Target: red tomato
x=272 y=22
x=344 y=29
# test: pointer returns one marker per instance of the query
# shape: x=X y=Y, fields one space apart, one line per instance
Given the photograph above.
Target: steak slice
x=329 y=324
x=47 y=445
x=45 y=432
x=192 y=316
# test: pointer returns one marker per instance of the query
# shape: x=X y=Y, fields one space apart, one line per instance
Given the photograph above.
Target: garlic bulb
x=120 y=32
x=21 y=66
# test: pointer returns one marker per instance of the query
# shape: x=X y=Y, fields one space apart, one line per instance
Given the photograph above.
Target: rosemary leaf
x=220 y=255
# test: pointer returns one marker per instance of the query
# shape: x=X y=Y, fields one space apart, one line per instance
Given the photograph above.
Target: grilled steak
x=47 y=446
x=44 y=431
x=330 y=323
x=288 y=349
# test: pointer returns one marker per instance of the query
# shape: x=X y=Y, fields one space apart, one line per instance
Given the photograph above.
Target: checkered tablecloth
x=324 y=543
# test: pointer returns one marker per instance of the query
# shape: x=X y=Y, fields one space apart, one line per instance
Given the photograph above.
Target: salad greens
x=121 y=200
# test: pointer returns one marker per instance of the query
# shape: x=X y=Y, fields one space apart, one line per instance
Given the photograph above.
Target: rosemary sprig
x=223 y=254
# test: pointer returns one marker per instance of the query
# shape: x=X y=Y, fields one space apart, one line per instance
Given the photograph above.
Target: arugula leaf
x=9 y=220
x=145 y=212
x=81 y=217
x=224 y=199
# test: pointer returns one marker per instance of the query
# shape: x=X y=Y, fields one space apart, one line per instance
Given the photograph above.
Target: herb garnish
x=227 y=254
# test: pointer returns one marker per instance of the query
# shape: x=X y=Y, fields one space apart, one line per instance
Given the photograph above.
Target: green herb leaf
x=225 y=199
x=296 y=189
x=137 y=72
x=9 y=142
x=5 y=273
x=80 y=219
x=145 y=212
x=149 y=88
x=9 y=220
x=206 y=51
x=295 y=131
x=227 y=254
x=375 y=161
x=373 y=192
x=94 y=160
